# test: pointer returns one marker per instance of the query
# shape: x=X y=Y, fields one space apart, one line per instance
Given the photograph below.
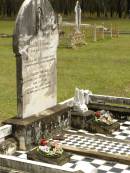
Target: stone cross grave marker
x=77 y=16
x=35 y=44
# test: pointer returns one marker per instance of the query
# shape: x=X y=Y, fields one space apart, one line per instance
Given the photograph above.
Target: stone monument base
x=79 y=120
x=78 y=39
x=29 y=131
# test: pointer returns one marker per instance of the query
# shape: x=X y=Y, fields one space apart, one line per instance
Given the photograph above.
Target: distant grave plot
x=2 y=35
x=88 y=32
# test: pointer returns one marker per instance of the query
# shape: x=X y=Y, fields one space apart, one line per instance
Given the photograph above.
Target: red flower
x=98 y=114
x=43 y=142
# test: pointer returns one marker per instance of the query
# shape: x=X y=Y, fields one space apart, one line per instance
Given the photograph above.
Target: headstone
x=77 y=16
x=78 y=37
x=35 y=44
x=103 y=32
x=60 y=21
x=95 y=33
x=111 y=34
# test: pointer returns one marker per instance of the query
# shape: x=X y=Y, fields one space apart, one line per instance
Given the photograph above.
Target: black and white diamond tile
x=103 y=166
x=124 y=132
x=97 y=144
x=21 y=154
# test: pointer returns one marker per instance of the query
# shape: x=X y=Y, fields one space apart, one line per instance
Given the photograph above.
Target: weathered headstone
x=77 y=16
x=35 y=45
x=103 y=31
x=60 y=21
x=111 y=34
x=94 y=33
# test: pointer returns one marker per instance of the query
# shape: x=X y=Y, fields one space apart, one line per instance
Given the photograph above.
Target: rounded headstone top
x=34 y=16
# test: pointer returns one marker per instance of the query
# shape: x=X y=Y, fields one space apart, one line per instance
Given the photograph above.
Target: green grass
x=6 y=26
x=103 y=67
x=7 y=80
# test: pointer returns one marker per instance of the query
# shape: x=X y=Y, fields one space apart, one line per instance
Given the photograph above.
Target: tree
x=99 y=8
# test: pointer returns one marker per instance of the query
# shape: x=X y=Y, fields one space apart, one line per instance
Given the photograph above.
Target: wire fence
x=88 y=33
x=92 y=33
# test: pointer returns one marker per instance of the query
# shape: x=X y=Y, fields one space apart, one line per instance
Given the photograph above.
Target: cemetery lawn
x=102 y=67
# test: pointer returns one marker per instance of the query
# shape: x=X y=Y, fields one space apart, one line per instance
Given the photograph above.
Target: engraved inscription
x=38 y=66
x=35 y=45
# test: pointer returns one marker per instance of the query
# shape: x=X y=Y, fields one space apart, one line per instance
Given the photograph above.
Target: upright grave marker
x=78 y=37
x=35 y=45
x=77 y=16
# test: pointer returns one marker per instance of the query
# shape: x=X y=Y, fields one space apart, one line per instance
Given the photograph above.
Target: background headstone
x=35 y=45
x=60 y=21
x=77 y=16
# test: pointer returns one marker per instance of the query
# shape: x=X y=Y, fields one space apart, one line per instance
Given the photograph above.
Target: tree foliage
x=99 y=8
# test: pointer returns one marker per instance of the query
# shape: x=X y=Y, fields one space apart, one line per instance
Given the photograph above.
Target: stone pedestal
x=79 y=120
x=77 y=39
x=29 y=131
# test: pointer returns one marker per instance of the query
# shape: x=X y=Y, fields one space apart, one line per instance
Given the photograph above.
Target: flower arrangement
x=50 y=149
x=104 y=117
